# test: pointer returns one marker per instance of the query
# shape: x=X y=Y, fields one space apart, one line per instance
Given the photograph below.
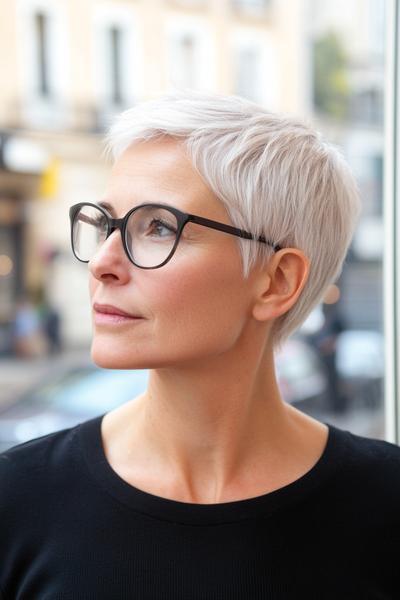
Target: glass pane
x=89 y=231
x=347 y=91
x=151 y=235
x=316 y=59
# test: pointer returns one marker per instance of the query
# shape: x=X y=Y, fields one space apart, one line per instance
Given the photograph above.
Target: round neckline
x=176 y=511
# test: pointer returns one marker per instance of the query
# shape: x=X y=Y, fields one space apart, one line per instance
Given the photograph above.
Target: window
x=117 y=63
x=248 y=75
x=367 y=106
x=189 y=54
x=183 y=72
x=43 y=64
x=42 y=53
x=254 y=68
x=348 y=91
x=116 y=93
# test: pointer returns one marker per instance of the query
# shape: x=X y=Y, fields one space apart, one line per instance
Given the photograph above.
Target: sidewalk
x=19 y=374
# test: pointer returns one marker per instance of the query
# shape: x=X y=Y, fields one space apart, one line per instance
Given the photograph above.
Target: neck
x=212 y=430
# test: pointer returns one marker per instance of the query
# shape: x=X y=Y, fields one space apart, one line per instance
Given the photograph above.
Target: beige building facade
x=68 y=66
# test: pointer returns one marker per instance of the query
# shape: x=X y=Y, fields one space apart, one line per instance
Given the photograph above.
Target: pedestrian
x=221 y=227
x=325 y=341
x=51 y=323
x=27 y=337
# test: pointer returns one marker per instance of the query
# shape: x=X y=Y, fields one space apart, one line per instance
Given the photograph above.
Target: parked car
x=77 y=393
x=66 y=398
x=360 y=365
x=301 y=375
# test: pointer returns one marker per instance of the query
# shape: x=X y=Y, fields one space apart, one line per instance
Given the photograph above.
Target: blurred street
x=360 y=420
x=18 y=375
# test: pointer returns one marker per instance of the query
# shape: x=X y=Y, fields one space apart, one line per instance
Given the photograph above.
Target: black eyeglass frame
x=181 y=217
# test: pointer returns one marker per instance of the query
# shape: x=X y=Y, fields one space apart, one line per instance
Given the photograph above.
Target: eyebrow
x=107 y=206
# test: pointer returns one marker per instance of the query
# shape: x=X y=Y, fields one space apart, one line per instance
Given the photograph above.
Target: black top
x=71 y=528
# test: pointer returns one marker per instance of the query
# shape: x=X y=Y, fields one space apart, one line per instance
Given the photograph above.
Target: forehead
x=159 y=171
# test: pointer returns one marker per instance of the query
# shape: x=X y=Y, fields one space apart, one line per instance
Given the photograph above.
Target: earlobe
x=282 y=283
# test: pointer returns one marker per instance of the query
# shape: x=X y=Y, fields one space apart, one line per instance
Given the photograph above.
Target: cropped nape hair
x=274 y=174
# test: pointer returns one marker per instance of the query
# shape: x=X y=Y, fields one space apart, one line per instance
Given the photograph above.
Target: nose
x=110 y=259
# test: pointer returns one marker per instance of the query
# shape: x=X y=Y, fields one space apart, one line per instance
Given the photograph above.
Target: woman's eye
x=158 y=227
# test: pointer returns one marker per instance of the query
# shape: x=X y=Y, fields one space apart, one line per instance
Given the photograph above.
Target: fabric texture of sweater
x=72 y=529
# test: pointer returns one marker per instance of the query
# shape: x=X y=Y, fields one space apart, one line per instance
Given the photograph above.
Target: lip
x=112 y=319
x=109 y=309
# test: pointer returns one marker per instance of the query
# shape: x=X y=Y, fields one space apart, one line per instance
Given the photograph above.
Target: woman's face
x=191 y=309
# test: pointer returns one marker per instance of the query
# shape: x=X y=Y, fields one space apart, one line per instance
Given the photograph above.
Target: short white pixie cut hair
x=274 y=174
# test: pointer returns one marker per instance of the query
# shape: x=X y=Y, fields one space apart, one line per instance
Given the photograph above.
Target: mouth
x=108 y=314
x=104 y=318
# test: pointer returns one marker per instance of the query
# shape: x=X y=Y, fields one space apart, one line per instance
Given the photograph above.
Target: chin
x=109 y=354
x=108 y=357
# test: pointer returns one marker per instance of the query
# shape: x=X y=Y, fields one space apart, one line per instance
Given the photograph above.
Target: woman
x=221 y=228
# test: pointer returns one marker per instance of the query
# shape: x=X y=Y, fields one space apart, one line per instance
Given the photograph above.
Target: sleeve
x=15 y=484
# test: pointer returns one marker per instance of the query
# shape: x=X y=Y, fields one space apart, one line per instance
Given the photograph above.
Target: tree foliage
x=331 y=86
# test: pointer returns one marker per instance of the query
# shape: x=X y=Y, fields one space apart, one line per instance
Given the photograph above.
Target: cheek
x=203 y=307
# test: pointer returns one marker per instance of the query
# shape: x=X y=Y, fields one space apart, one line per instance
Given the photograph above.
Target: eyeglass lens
x=150 y=234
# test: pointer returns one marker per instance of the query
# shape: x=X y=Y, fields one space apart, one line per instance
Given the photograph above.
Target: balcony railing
x=83 y=118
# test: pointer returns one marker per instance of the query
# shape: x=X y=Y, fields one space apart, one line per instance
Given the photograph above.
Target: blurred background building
x=348 y=55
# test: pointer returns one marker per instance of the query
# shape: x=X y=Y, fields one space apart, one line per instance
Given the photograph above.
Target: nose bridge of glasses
x=115 y=224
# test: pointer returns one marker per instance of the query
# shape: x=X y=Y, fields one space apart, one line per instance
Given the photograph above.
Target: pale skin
x=212 y=426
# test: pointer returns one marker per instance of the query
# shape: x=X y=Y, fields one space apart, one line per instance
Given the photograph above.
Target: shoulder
x=369 y=466
x=371 y=451
x=43 y=460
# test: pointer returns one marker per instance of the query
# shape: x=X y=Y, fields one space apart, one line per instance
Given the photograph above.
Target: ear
x=280 y=283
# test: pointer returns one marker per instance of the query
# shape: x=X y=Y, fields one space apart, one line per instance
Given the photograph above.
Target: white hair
x=275 y=175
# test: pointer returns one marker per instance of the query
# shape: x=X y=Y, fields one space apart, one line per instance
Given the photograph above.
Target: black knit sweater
x=72 y=529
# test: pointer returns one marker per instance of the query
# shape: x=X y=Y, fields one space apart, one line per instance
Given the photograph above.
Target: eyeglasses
x=150 y=232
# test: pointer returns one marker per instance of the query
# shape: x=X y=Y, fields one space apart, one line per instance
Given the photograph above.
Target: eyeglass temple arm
x=85 y=219
x=232 y=230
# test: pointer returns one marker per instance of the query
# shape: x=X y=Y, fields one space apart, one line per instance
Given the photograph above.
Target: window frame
x=391 y=214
